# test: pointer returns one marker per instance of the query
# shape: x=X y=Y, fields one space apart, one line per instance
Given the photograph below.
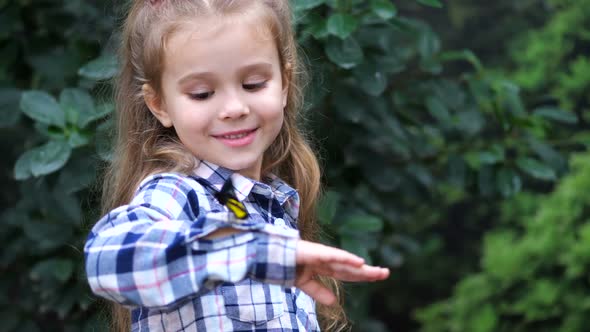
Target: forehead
x=208 y=25
x=218 y=40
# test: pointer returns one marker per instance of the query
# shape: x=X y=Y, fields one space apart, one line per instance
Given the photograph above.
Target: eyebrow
x=208 y=74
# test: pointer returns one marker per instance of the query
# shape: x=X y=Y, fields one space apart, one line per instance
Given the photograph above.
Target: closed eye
x=254 y=86
x=201 y=95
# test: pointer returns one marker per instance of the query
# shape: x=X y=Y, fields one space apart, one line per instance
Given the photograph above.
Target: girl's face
x=222 y=91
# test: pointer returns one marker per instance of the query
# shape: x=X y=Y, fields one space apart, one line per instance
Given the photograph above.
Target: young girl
x=212 y=179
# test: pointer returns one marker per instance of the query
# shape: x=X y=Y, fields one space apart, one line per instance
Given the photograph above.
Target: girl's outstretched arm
x=159 y=250
x=318 y=259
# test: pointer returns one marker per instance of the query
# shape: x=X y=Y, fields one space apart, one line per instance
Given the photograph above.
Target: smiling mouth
x=236 y=134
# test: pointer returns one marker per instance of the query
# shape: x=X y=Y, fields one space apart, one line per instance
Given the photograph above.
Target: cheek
x=274 y=116
x=277 y=121
x=192 y=123
x=271 y=108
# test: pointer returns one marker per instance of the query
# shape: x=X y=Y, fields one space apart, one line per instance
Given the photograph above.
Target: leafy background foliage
x=532 y=273
x=425 y=144
x=534 y=267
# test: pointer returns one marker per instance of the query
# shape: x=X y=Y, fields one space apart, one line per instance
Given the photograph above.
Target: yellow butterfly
x=227 y=197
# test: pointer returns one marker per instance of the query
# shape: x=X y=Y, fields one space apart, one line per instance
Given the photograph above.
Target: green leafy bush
x=533 y=273
x=413 y=150
x=410 y=147
x=553 y=59
x=52 y=120
x=514 y=291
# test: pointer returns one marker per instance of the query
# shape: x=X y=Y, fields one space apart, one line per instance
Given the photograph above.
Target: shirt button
x=279 y=222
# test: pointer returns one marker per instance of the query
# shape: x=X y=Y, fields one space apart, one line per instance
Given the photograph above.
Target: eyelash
x=254 y=86
x=202 y=95
x=248 y=87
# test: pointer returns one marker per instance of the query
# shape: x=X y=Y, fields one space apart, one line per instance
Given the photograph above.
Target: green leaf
x=77 y=139
x=431 y=65
x=511 y=98
x=428 y=44
x=492 y=156
x=581 y=138
x=548 y=154
x=556 y=114
x=348 y=105
x=42 y=107
x=483 y=319
x=385 y=9
x=101 y=68
x=60 y=269
x=307 y=4
x=9 y=107
x=386 y=179
x=54 y=66
x=372 y=80
x=421 y=174
x=361 y=223
x=485 y=180
x=345 y=53
x=471 y=122
x=466 y=55
x=342 y=25
x=536 y=169
x=78 y=174
x=438 y=110
x=47 y=235
x=355 y=246
x=66 y=208
x=390 y=64
x=102 y=111
x=328 y=206
x=50 y=157
x=431 y=3
x=508 y=182
x=78 y=105
x=22 y=168
x=316 y=26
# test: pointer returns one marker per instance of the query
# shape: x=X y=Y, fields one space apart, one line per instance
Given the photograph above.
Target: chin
x=242 y=167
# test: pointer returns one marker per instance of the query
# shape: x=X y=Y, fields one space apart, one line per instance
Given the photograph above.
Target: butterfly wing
x=227 y=197
x=237 y=207
x=225 y=193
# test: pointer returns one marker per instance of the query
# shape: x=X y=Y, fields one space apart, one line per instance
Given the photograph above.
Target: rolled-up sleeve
x=154 y=251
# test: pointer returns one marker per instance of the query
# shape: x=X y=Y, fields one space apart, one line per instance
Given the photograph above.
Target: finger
x=347 y=273
x=315 y=253
x=318 y=292
x=319 y=254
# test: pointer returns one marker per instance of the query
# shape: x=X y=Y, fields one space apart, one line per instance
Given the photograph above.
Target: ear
x=156 y=106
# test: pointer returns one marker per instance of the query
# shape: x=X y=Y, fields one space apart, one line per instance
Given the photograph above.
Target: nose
x=233 y=107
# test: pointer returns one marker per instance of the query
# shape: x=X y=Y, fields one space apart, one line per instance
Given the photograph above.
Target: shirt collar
x=243 y=186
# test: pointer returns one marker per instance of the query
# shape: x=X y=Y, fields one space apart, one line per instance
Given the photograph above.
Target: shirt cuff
x=275 y=259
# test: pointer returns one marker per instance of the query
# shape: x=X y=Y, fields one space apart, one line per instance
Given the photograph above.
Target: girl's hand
x=317 y=259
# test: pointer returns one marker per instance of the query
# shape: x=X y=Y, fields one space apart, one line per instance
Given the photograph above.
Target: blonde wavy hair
x=143 y=146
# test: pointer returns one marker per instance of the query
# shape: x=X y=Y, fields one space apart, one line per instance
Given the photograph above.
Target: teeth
x=235 y=136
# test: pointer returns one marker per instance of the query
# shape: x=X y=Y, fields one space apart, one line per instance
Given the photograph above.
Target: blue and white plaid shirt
x=152 y=256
